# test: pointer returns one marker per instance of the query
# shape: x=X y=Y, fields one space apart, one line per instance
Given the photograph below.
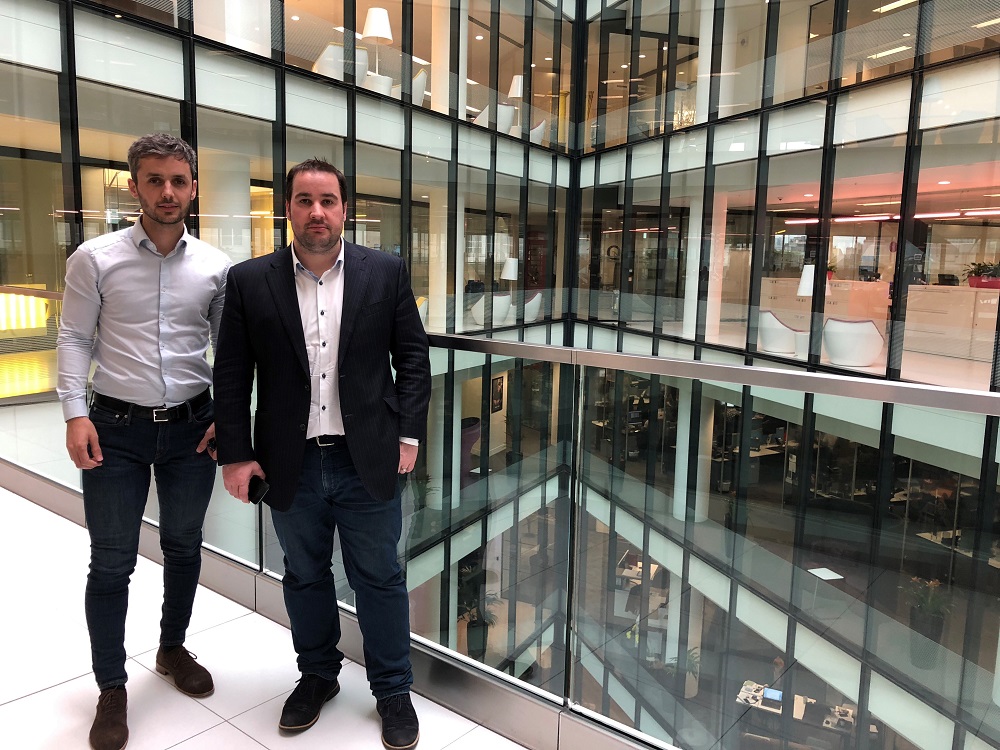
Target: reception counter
x=954 y=321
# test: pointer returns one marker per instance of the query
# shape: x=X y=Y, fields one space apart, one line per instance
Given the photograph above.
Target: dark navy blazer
x=262 y=328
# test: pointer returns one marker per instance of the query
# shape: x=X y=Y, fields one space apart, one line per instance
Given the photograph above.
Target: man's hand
x=208 y=442
x=236 y=478
x=407 y=457
x=81 y=442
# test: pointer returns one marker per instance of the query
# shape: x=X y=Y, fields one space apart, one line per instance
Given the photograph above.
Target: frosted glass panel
x=873 y=113
x=963 y=93
x=107 y=52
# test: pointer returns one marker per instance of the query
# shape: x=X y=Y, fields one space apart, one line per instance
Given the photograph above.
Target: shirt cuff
x=74 y=408
x=409 y=441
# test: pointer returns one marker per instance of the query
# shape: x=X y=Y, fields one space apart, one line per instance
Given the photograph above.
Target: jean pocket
x=205 y=413
x=102 y=415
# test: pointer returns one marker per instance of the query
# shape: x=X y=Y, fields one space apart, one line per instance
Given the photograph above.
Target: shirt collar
x=297 y=266
x=141 y=239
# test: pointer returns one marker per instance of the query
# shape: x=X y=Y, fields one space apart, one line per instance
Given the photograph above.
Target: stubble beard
x=317 y=246
x=154 y=214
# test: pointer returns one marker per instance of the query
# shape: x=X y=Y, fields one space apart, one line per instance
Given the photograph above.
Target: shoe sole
x=164 y=671
x=413 y=744
x=304 y=727
x=121 y=748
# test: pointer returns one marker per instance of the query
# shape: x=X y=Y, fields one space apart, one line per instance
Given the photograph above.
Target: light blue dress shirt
x=144 y=319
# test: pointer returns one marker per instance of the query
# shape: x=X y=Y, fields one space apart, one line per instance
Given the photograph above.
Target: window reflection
x=951 y=309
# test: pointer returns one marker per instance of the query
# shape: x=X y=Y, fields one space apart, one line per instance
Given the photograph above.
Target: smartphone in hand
x=258 y=488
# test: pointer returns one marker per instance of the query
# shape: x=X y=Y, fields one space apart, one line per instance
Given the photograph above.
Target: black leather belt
x=325 y=441
x=181 y=412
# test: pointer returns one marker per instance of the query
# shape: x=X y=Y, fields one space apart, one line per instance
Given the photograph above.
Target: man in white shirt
x=331 y=332
x=141 y=304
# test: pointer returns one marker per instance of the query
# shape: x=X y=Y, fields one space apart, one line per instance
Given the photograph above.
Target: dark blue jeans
x=114 y=497
x=330 y=496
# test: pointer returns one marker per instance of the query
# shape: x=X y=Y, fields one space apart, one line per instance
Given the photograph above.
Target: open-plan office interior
x=712 y=291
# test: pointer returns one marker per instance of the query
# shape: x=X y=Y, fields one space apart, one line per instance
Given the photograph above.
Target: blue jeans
x=330 y=496
x=114 y=497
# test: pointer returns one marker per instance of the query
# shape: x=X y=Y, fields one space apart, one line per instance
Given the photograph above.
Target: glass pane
x=236 y=196
x=792 y=236
x=951 y=307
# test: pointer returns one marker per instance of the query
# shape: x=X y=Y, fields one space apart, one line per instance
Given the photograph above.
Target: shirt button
x=323 y=408
x=324 y=343
x=321 y=283
x=323 y=376
x=322 y=312
x=302 y=427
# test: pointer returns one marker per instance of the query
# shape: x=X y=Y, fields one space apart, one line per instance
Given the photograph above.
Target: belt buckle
x=322 y=444
x=160 y=414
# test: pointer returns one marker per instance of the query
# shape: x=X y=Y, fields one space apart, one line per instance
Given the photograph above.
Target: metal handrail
x=870 y=389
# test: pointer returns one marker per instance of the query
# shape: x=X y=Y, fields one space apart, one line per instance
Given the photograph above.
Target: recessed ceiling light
x=807 y=195
x=532 y=65
x=893 y=51
x=425 y=196
x=479 y=37
x=295 y=18
x=987 y=23
x=893 y=5
x=906 y=35
x=548 y=59
x=944 y=182
x=624 y=65
x=642 y=57
x=118 y=15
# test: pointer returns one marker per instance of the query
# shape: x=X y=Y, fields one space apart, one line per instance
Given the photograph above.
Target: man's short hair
x=160 y=145
x=315 y=165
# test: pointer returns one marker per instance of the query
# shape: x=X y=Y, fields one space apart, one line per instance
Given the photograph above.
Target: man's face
x=165 y=188
x=317 y=211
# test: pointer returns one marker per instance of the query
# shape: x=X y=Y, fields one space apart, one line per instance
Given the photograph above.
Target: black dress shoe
x=303 y=705
x=400 y=728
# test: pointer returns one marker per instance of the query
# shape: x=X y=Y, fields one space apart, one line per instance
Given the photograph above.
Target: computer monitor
x=771 y=698
x=635 y=417
x=947 y=279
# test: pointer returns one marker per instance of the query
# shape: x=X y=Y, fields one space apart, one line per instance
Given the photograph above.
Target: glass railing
x=695 y=553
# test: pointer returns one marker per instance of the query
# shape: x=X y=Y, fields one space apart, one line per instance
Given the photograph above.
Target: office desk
x=833 y=725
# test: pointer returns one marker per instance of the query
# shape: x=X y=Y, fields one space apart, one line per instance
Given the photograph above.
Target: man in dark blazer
x=321 y=321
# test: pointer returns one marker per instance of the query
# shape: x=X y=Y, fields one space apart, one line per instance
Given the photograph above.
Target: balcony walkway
x=47 y=690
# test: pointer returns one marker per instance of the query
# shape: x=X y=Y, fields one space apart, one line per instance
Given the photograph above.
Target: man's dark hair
x=160 y=145
x=315 y=165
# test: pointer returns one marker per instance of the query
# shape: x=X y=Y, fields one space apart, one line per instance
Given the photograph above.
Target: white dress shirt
x=321 y=306
x=144 y=319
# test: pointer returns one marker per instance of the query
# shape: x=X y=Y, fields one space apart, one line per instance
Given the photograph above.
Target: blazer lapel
x=356 y=272
x=281 y=281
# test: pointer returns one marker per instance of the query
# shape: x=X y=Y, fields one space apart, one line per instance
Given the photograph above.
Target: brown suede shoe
x=189 y=677
x=110 y=729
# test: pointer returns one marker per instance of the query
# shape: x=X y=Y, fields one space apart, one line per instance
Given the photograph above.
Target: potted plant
x=928 y=606
x=831 y=269
x=475 y=608
x=983 y=275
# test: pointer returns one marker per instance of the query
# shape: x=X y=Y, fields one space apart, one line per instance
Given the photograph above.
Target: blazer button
x=302 y=427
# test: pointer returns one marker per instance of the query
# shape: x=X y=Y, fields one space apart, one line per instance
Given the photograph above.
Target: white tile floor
x=47 y=690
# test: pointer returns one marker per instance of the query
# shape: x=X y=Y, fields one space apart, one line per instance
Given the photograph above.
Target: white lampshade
x=377 y=25
x=509 y=272
x=806 y=281
x=516 y=87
